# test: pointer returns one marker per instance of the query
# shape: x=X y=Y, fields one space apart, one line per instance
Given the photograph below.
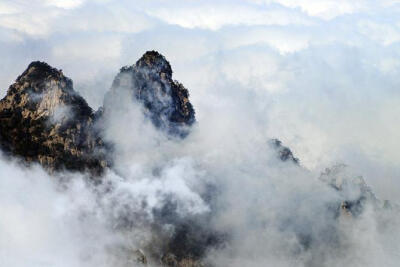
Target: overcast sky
x=321 y=75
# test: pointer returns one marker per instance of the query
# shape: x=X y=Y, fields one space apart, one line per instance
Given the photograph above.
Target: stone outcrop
x=283 y=152
x=353 y=190
x=149 y=82
x=42 y=119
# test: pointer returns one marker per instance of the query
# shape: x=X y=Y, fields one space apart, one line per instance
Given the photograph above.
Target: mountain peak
x=149 y=82
x=42 y=119
x=154 y=61
x=39 y=70
x=284 y=153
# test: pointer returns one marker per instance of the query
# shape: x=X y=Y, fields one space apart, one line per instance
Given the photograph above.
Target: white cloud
x=67 y=4
x=385 y=33
x=326 y=9
x=329 y=9
x=7 y=8
x=285 y=40
x=214 y=16
x=42 y=18
x=97 y=49
x=323 y=76
x=37 y=25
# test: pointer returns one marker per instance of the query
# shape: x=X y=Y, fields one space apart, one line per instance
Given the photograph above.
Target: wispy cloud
x=321 y=75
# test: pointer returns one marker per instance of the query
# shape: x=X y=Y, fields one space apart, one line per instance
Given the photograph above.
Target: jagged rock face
x=150 y=82
x=354 y=191
x=42 y=119
x=284 y=153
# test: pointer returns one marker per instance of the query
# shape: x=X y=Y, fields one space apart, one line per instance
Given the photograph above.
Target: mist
x=321 y=76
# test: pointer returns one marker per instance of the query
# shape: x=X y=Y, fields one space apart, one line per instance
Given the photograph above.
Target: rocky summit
x=42 y=119
x=149 y=82
x=283 y=152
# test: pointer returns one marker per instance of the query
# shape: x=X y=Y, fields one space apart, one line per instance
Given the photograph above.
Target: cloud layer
x=321 y=75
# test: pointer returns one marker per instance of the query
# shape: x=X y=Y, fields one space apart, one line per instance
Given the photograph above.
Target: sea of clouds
x=320 y=75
